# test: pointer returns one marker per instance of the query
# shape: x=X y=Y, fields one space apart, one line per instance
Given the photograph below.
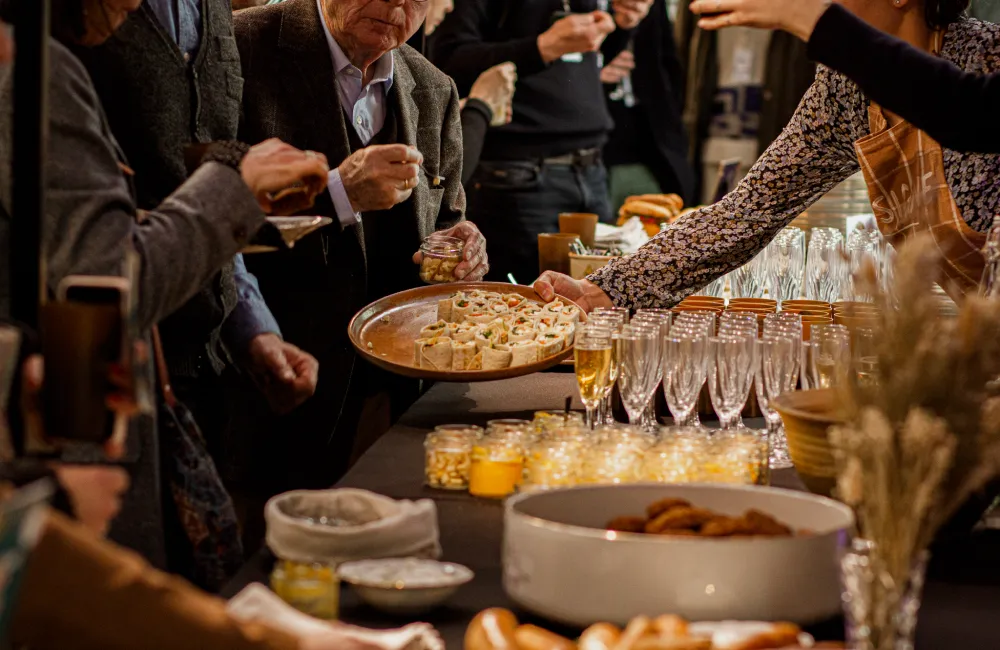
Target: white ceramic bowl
x=404 y=586
x=561 y=563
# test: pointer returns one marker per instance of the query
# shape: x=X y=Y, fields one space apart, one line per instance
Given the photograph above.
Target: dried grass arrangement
x=927 y=435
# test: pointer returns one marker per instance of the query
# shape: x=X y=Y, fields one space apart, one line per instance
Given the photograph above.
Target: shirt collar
x=383 y=68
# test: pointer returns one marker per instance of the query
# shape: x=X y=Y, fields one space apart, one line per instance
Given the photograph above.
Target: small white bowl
x=405 y=586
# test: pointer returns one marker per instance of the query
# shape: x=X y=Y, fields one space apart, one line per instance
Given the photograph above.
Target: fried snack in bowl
x=561 y=562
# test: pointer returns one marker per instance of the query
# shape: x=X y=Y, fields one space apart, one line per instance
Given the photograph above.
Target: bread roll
x=669 y=201
x=492 y=629
x=532 y=637
x=601 y=636
x=646 y=209
x=636 y=629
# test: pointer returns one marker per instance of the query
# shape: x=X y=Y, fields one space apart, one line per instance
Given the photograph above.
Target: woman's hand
x=283 y=179
x=495 y=87
x=797 y=17
x=584 y=293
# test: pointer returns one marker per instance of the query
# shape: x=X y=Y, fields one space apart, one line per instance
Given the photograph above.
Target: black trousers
x=514 y=202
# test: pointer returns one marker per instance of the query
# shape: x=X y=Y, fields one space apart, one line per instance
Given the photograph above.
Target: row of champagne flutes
x=688 y=350
x=788 y=269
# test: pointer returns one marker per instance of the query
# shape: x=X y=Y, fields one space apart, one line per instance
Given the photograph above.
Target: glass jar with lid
x=448 y=457
x=497 y=465
x=736 y=457
x=441 y=255
x=623 y=434
x=552 y=463
x=312 y=588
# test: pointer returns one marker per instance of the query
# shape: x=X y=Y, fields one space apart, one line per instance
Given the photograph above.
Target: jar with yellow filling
x=497 y=465
x=313 y=589
x=553 y=463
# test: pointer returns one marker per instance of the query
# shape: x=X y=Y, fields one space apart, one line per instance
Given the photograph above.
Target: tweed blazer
x=314 y=289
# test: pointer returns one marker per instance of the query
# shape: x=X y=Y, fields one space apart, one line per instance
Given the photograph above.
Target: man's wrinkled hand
x=286 y=374
x=475 y=263
x=380 y=176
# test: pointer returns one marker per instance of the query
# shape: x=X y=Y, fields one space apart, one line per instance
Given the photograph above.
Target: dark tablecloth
x=962 y=601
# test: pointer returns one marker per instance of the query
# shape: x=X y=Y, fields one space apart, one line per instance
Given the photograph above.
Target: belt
x=579 y=158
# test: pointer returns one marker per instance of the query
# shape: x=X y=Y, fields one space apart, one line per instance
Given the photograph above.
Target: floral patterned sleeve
x=812 y=155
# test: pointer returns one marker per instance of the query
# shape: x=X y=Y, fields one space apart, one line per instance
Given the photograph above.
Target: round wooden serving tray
x=384 y=331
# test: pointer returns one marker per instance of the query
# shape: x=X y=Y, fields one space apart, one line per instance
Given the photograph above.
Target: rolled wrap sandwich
x=524 y=353
x=463 y=355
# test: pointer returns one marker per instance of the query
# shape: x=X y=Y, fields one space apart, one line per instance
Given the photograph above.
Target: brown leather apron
x=904 y=171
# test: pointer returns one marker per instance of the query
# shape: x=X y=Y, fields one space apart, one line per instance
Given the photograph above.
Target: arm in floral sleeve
x=814 y=153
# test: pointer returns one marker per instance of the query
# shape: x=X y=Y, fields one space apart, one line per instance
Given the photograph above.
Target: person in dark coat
x=646 y=152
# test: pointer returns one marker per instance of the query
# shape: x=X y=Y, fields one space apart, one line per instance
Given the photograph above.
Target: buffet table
x=960 y=604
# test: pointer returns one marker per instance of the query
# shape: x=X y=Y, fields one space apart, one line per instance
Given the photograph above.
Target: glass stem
x=592 y=417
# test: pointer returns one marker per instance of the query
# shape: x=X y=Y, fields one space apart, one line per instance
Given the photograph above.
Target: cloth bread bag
x=374 y=526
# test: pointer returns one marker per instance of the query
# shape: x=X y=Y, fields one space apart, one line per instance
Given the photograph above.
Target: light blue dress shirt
x=364 y=107
x=181 y=19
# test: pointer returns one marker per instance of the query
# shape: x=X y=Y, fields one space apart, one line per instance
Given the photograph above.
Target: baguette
x=670 y=201
x=646 y=209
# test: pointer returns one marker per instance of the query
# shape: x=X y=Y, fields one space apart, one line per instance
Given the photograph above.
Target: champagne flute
x=730 y=373
x=640 y=368
x=613 y=321
x=592 y=352
x=776 y=372
x=683 y=374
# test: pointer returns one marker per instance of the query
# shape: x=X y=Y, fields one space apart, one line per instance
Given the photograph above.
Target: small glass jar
x=679 y=457
x=497 y=465
x=313 y=589
x=477 y=433
x=611 y=464
x=547 y=420
x=623 y=434
x=552 y=463
x=737 y=457
x=448 y=458
x=522 y=429
x=441 y=255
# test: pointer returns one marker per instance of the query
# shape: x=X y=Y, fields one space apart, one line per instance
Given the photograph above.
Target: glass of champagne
x=614 y=321
x=592 y=352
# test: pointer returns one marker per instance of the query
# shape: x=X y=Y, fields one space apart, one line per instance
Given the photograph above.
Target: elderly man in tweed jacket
x=335 y=76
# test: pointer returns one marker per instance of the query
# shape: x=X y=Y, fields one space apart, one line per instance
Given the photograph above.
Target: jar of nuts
x=552 y=464
x=448 y=456
x=441 y=255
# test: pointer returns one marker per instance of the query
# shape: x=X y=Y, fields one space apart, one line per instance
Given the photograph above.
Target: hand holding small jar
x=457 y=253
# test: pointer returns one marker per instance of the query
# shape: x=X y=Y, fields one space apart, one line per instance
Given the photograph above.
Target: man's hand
x=380 y=176
x=585 y=294
x=274 y=169
x=619 y=68
x=95 y=492
x=629 y=13
x=575 y=34
x=286 y=374
x=495 y=87
x=475 y=264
